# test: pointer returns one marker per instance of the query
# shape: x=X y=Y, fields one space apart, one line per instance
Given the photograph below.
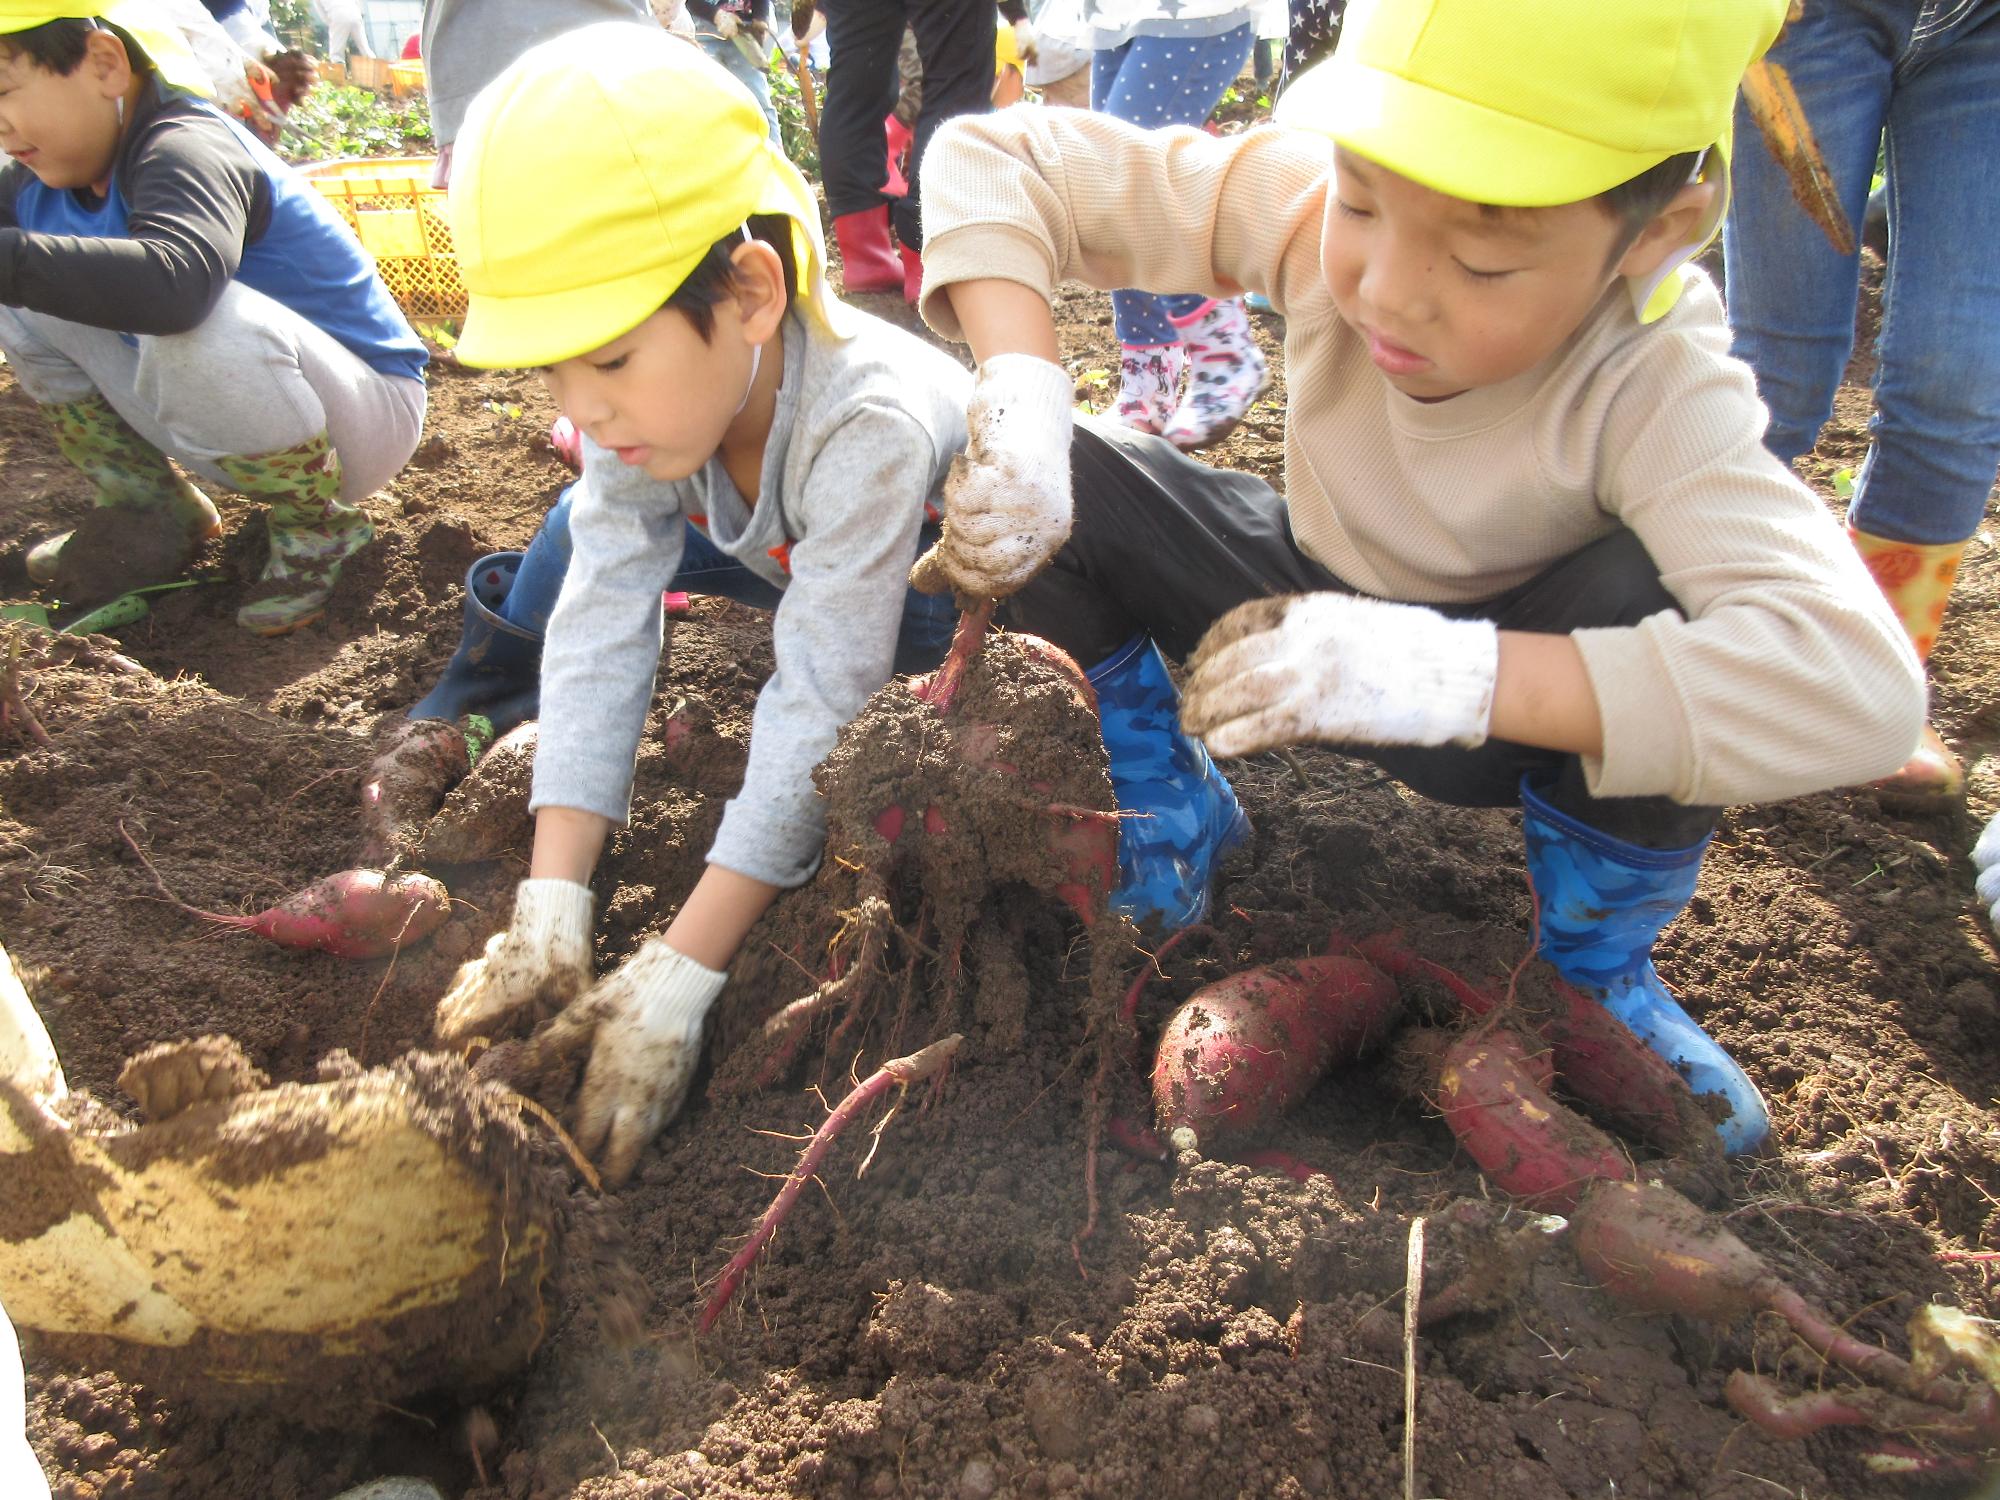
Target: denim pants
x=748 y=73
x=1153 y=81
x=1928 y=75
x=928 y=619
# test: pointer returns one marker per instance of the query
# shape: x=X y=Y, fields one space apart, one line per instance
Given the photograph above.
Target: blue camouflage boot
x=1602 y=904
x=1184 y=813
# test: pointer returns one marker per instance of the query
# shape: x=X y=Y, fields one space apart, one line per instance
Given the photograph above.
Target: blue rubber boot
x=497 y=670
x=1602 y=904
x=1185 y=817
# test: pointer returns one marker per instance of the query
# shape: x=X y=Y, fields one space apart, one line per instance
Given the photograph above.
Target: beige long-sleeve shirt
x=1785 y=671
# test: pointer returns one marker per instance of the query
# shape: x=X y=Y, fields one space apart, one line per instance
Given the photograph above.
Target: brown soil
x=927 y=1330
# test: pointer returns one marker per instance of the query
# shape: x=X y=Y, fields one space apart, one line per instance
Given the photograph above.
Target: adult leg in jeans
x=1929 y=75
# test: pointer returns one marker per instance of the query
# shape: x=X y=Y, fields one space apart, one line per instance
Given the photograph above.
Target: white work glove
x=1026 y=42
x=1006 y=503
x=1340 y=669
x=726 y=25
x=1986 y=860
x=644 y=1026
x=542 y=956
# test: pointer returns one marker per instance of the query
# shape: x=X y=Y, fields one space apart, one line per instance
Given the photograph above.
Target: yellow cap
x=164 y=45
x=1538 y=102
x=591 y=178
x=1006 y=47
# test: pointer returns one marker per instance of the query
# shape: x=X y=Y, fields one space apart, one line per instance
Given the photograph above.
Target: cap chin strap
x=1653 y=296
x=756 y=350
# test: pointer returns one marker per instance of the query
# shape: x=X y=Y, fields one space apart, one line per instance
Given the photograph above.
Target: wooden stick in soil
x=1413 y=1296
x=899 y=1072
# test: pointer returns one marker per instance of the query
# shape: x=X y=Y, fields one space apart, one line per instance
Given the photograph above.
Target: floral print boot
x=1149 y=385
x=124 y=469
x=1226 y=374
x=313 y=531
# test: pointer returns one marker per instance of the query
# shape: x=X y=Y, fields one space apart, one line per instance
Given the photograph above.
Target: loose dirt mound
x=927 y=1330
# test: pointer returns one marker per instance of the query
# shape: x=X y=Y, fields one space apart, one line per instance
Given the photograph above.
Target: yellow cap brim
x=156 y=35
x=545 y=329
x=1448 y=144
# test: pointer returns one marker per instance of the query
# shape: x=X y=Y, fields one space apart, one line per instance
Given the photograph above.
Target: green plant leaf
x=1843 y=483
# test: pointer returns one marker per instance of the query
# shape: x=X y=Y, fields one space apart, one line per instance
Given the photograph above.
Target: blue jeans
x=754 y=78
x=1153 y=81
x=928 y=619
x=1927 y=74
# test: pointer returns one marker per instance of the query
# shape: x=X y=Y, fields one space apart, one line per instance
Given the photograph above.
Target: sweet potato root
x=1495 y=1101
x=486 y=814
x=419 y=761
x=1241 y=1051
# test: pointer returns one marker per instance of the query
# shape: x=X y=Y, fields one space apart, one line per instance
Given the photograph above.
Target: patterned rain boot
x=313 y=531
x=1917 y=580
x=124 y=468
x=1227 y=374
x=1601 y=904
x=1149 y=385
x=1182 y=813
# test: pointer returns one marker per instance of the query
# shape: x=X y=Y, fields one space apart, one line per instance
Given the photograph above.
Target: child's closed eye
x=1349 y=211
x=1478 y=275
x=611 y=366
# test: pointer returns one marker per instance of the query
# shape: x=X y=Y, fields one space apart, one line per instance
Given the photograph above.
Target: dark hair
x=714 y=275
x=1636 y=201
x=58 y=45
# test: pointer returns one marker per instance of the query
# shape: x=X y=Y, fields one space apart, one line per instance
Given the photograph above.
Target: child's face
x=64 y=127
x=661 y=397
x=1450 y=295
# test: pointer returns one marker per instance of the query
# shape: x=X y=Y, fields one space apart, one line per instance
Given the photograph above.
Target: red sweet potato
x=355 y=914
x=1082 y=842
x=1656 y=1252
x=420 y=760
x=1240 y=1052
x=486 y=814
x=1494 y=1095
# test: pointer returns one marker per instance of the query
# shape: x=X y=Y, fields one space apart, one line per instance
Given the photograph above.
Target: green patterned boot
x=313 y=531
x=125 y=469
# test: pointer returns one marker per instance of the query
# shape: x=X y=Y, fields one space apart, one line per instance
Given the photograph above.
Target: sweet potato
x=420 y=760
x=1240 y=1052
x=486 y=814
x=1494 y=1096
x=1656 y=1252
x=355 y=914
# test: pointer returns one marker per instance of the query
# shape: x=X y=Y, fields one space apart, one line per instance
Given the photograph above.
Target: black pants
x=955 y=41
x=1165 y=544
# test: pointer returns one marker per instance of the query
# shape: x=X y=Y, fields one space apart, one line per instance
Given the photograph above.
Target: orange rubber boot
x=1916 y=578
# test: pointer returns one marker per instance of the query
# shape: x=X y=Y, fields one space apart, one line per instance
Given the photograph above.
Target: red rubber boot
x=867 y=255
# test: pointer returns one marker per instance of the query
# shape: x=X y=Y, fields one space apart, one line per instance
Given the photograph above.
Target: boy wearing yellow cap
x=1532 y=548
x=744 y=434
x=169 y=288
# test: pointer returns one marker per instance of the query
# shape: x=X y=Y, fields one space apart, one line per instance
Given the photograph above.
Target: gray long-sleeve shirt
x=863 y=435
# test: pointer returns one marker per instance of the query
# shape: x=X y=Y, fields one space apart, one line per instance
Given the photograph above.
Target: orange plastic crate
x=389 y=203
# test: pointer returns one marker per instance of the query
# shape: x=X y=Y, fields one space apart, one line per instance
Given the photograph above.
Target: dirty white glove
x=644 y=1024
x=1340 y=669
x=1006 y=504
x=1986 y=860
x=543 y=955
x=726 y=25
x=1026 y=42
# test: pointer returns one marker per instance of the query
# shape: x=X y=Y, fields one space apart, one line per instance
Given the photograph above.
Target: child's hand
x=544 y=955
x=644 y=1027
x=1986 y=860
x=1338 y=668
x=1006 y=504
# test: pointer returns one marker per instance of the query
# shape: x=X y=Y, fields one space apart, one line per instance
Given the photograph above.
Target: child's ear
x=1671 y=228
x=759 y=277
x=106 y=64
